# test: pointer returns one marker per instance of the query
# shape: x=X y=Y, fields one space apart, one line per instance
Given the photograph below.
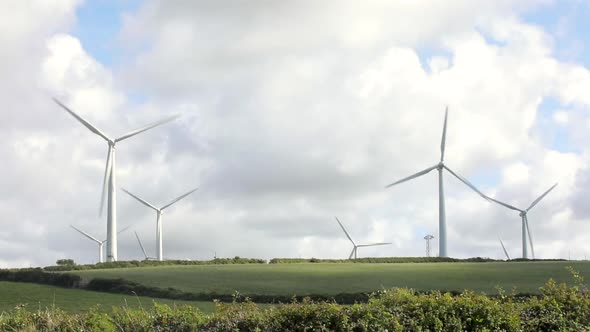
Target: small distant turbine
x=356 y=246
x=525 y=222
x=504 y=248
x=100 y=243
x=428 y=238
x=159 y=212
x=147 y=258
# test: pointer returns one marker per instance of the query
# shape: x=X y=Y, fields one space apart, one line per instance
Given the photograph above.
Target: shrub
x=558 y=308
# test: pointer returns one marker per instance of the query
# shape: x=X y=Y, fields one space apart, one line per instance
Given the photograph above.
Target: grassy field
x=327 y=278
x=74 y=300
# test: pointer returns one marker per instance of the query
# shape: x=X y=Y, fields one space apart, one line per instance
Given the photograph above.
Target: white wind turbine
x=109 y=183
x=442 y=224
x=159 y=212
x=525 y=221
x=147 y=258
x=356 y=246
x=100 y=243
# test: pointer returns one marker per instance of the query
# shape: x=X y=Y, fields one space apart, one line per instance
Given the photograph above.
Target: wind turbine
x=504 y=248
x=442 y=223
x=356 y=246
x=109 y=183
x=147 y=258
x=525 y=222
x=100 y=243
x=159 y=212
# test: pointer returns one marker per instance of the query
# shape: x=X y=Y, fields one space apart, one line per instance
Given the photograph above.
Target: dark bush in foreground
x=559 y=308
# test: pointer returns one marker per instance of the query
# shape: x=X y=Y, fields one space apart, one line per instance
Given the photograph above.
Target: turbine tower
x=442 y=223
x=504 y=248
x=147 y=258
x=525 y=222
x=100 y=243
x=159 y=212
x=428 y=238
x=109 y=182
x=356 y=246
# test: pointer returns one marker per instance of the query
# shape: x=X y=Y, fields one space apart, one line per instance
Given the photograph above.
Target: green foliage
x=65 y=262
x=146 y=263
x=399 y=260
x=39 y=276
x=558 y=308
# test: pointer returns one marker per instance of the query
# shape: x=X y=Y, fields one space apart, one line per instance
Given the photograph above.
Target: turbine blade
x=141 y=246
x=84 y=122
x=504 y=248
x=86 y=234
x=504 y=204
x=147 y=127
x=541 y=197
x=528 y=230
x=345 y=232
x=124 y=229
x=444 y=136
x=107 y=174
x=412 y=176
x=374 y=244
x=467 y=183
x=351 y=253
x=140 y=200
x=179 y=198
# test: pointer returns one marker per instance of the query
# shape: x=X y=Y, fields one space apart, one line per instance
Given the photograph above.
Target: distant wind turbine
x=147 y=258
x=159 y=212
x=525 y=222
x=356 y=246
x=100 y=243
x=109 y=183
x=442 y=223
x=504 y=248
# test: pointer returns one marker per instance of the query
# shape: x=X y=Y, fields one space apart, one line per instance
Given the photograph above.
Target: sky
x=293 y=113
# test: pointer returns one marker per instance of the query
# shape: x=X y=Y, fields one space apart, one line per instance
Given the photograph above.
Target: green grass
x=333 y=278
x=74 y=300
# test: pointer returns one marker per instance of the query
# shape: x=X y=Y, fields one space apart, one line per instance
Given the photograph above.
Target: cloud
x=295 y=113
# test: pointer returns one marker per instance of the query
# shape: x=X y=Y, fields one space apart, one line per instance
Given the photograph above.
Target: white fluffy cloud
x=295 y=112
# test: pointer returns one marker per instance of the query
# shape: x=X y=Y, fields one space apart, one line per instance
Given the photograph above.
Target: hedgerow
x=146 y=263
x=37 y=275
x=399 y=260
x=558 y=308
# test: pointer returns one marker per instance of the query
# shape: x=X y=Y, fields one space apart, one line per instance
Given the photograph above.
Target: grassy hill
x=330 y=278
x=75 y=300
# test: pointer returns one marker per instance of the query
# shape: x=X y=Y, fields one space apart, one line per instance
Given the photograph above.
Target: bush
x=66 y=262
x=39 y=276
x=558 y=308
x=127 y=264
